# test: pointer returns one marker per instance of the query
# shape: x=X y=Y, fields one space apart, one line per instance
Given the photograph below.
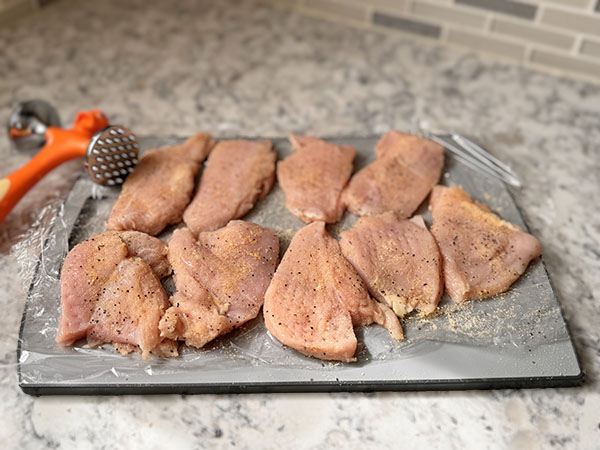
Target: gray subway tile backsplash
x=563 y=61
x=532 y=33
x=570 y=3
x=579 y=23
x=407 y=25
x=551 y=34
x=590 y=48
x=347 y=10
x=487 y=44
x=449 y=13
x=388 y=5
x=512 y=8
x=544 y=32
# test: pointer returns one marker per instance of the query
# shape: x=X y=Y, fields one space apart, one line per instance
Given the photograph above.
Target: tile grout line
x=576 y=49
x=369 y=14
x=528 y=51
x=502 y=37
x=577 y=11
x=444 y=32
x=583 y=57
x=580 y=57
x=537 y=19
x=591 y=6
x=487 y=25
x=544 y=29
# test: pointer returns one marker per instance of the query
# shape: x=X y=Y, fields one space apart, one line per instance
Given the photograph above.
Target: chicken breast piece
x=167 y=348
x=406 y=169
x=316 y=297
x=156 y=193
x=221 y=279
x=313 y=178
x=482 y=254
x=129 y=308
x=238 y=174
x=398 y=260
x=87 y=268
x=150 y=249
x=84 y=273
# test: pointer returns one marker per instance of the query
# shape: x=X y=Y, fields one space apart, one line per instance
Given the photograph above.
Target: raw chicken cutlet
x=150 y=249
x=482 y=254
x=129 y=308
x=160 y=187
x=313 y=178
x=87 y=269
x=221 y=279
x=406 y=169
x=316 y=298
x=399 y=261
x=237 y=175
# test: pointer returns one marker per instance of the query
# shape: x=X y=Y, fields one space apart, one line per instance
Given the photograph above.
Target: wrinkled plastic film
x=21 y=237
x=525 y=317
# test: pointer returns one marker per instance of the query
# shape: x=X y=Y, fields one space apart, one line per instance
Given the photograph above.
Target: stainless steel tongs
x=475 y=157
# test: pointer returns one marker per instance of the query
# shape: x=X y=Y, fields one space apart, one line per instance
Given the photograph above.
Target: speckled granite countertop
x=244 y=68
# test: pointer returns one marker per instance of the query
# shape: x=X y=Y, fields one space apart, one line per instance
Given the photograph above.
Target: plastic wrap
x=518 y=324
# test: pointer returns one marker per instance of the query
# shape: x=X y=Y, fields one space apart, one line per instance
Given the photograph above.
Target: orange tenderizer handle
x=61 y=146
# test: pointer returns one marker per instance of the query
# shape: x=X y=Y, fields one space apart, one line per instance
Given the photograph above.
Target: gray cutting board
x=518 y=339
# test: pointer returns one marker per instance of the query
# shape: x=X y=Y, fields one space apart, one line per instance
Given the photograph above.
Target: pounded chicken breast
x=399 y=261
x=221 y=279
x=406 y=169
x=482 y=254
x=237 y=175
x=160 y=187
x=316 y=298
x=313 y=178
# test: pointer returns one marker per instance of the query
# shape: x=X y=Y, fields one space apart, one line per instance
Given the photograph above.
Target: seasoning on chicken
x=314 y=177
x=160 y=187
x=482 y=254
x=129 y=308
x=87 y=268
x=399 y=261
x=151 y=250
x=406 y=169
x=237 y=175
x=221 y=279
x=316 y=297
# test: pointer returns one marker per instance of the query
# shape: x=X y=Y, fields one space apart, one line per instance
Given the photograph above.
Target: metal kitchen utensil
x=468 y=153
x=111 y=151
x=28 y=123
x=475 y=157
x=518 y=339
x=112 y=154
